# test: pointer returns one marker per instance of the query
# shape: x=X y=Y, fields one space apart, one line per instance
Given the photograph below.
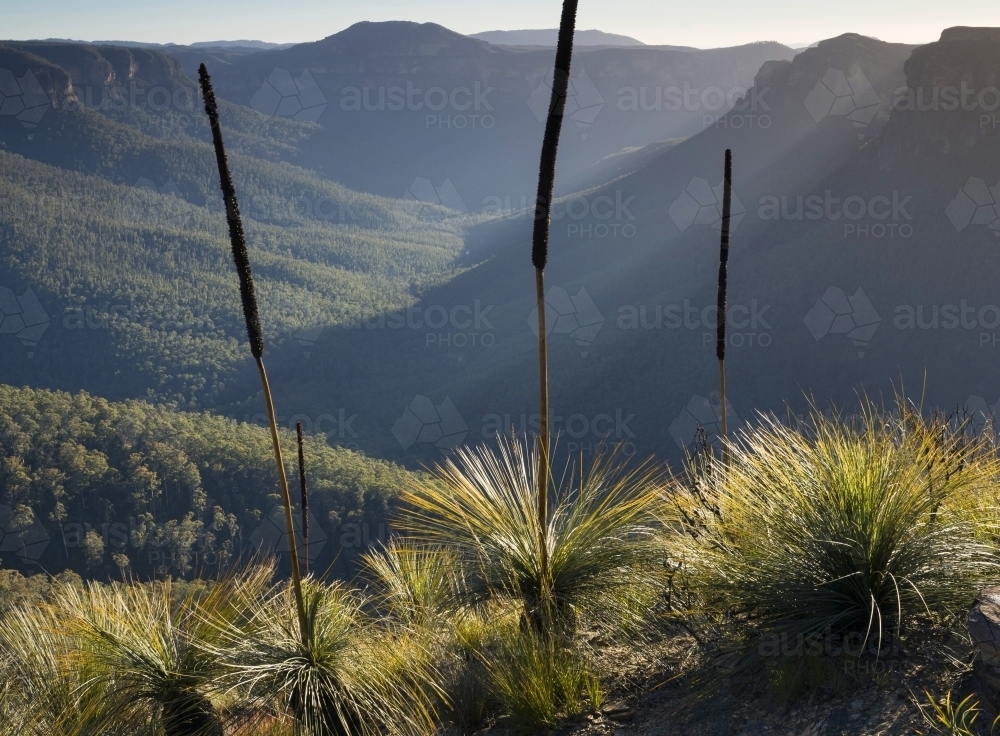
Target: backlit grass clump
x=836 y=536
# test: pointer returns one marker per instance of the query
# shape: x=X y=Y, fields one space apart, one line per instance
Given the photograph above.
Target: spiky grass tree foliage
x=413 y=583
x=837 y=536
x=599 y=536
x=353 y=675
x=39 y=696
x=538 y=680
x=140 y=653
x=248 y=297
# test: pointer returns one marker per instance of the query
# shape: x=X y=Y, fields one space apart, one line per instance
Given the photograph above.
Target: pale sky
x=701 y=23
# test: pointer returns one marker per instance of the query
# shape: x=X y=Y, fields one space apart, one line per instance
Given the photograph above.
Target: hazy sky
x=702 y=23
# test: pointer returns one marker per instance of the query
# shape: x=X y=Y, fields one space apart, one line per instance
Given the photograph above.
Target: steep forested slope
x=91 y=485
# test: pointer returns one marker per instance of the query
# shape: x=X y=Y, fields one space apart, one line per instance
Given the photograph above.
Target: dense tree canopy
x=93 y=486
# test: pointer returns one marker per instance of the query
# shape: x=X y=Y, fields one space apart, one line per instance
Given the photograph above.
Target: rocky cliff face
x=29 y=84
x=106 y=66
x=850 y=76
x=949 y=104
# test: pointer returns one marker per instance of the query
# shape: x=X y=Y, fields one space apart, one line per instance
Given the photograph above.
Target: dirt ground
x=651 y=695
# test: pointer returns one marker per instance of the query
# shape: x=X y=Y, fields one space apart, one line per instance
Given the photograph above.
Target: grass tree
x=354 y=675
x=476 y=552
x=39 y=695
x=138 y=652
x=540 y=249
x=415 y=583
x=592 y=559
x=836 y=535
x=250 y=313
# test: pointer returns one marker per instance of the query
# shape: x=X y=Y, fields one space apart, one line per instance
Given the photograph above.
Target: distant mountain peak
x=398 y=37
x=548 y=37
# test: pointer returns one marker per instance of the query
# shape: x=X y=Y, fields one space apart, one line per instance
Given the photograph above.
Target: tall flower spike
x=550 y=142
x=540 y=256
x=720 y=313
x=242 y=261
x=236 y=237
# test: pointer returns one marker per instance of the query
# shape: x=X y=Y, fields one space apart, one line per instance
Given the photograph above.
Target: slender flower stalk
x=540 y=253
x=305 y=499
x=249 y=298
x=720 y=314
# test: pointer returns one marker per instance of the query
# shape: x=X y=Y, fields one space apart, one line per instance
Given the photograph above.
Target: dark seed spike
x=720 y=316
x=238 y=240
x=550 y=142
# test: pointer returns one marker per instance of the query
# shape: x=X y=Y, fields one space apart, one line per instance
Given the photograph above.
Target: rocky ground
x=645 y=699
